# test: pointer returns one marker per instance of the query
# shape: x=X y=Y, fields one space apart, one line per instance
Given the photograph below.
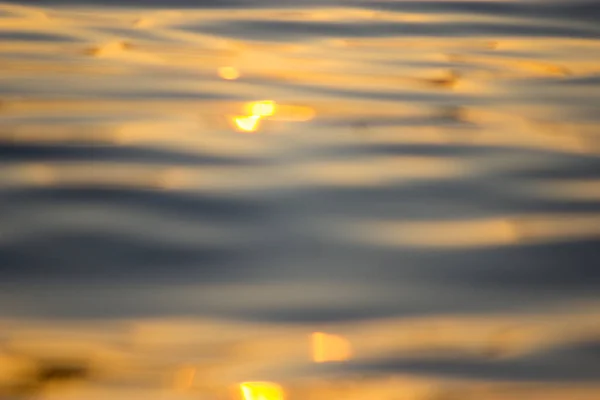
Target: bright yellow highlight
x=261 y=391
x=247 y=124
x=257 y=110
x=229 y=73
x=261 y=108
x=327 y=348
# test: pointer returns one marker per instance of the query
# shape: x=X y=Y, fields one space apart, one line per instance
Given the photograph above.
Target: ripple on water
x=36 y=37
x=417 y=179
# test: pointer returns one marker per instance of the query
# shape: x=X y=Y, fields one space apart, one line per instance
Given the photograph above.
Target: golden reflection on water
x=264 y=108
x=262 y=391
x=479 y=140
x=257 y=111
x=294 y=113
x=247 y=123
x=229 y=73
x=327 y=348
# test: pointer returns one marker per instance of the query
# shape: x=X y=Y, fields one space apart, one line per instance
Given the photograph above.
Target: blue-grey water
x=420 y=177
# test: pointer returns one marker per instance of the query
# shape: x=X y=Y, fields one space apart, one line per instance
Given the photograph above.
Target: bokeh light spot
x=229 y=73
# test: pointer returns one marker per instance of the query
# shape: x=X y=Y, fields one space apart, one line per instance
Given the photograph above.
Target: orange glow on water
x=261 y=391
x=327 y=348
x=300 y=113
x=229 y=73
x=295 y=113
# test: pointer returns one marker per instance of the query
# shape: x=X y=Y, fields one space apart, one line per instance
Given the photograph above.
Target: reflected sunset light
x=269 y=109
x=261 y=391
x=247 y=124
x=229 y=73
x=300 y=200
x=264 y=108
x=293 y=113
x=330 y=348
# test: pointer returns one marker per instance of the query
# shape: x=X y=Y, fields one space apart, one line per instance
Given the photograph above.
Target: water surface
x=200 y=185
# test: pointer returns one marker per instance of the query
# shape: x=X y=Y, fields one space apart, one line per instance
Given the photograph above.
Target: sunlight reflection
x=327 y=348
x=247 y=124
x=255 y=110
x=322 y=200
x=269 y=109
x=261 y=108
x=229 y=73
x=261 y=391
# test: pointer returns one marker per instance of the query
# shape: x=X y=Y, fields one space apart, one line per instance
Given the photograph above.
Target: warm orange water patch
x=327 y=347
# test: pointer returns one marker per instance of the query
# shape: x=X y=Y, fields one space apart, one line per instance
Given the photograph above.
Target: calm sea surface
x=189 y=190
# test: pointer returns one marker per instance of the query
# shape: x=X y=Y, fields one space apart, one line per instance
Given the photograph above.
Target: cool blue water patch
x=567 y=10
x=36 y=37
x=299 y=30
x=23 y=152
x=578 y=362
x=196 y=4
x=137 y=34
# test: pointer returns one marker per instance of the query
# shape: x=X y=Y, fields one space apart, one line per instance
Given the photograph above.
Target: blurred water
x=433 y=185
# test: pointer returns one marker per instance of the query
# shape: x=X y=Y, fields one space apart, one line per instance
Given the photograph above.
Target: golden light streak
x=261 y=391
x=328 y=348
x=294 y=113
x=229 y=73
